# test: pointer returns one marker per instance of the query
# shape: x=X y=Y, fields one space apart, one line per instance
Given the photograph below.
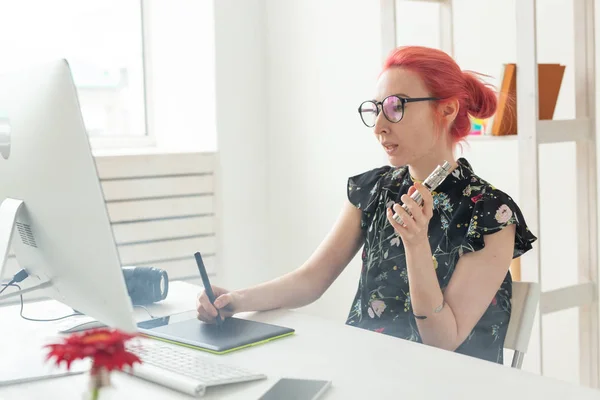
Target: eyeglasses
x=392 y=106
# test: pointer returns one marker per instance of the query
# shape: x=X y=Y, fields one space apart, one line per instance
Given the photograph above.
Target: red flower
x=105 y=347
x=475 y=199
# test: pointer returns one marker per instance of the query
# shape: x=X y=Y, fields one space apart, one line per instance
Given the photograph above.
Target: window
x=144 y=70
x=103 y=42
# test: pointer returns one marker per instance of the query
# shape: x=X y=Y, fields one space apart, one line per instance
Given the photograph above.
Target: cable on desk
x=74 y=314
x=35 y=319
x=148 y=311
x=20 y=276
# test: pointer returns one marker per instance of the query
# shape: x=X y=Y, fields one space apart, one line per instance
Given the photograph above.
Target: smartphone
x=296 y=389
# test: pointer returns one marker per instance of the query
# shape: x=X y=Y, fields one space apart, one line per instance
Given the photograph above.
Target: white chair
x=525 y=299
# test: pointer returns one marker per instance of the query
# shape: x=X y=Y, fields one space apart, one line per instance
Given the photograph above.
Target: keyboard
x=183 y=369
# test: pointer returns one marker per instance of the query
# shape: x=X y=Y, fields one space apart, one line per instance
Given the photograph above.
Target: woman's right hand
x=225 y=301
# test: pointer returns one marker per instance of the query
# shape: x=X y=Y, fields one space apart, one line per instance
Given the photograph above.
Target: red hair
x=444 y=79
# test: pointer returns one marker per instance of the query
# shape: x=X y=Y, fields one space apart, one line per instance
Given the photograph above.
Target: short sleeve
x=363 y=191
x=493 y=211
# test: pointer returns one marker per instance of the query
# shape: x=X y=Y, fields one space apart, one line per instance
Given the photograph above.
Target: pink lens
x=392 y=107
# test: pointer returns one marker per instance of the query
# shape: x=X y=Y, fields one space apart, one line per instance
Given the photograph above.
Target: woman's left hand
x=415 y=228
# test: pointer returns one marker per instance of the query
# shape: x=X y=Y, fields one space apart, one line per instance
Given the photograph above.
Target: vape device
x=433 y=180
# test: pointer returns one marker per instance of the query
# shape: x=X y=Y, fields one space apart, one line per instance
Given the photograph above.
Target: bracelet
x=437 y=310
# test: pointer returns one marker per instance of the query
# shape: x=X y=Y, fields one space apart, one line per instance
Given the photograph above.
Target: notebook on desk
x=234 y=334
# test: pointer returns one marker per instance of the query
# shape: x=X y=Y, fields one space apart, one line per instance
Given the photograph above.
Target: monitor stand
x=10 y=211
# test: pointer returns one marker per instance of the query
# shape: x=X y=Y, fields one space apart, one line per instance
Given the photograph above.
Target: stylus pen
x=206 y=283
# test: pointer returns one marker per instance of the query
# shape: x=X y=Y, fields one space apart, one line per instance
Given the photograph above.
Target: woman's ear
x=449 y=110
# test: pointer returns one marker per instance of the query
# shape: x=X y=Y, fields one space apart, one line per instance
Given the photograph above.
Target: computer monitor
x=52 y=204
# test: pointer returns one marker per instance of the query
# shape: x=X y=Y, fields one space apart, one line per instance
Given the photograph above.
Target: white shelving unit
x=582 y=131
x=532 y=133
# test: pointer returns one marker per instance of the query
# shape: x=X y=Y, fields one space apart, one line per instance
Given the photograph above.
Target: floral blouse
x=465 y=209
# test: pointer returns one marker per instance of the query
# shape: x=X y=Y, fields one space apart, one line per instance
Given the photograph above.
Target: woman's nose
x=381 y=125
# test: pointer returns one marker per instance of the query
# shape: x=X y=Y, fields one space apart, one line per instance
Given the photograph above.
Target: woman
x=442 y=277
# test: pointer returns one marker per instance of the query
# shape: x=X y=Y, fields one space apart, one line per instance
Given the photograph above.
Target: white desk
x=361 y=364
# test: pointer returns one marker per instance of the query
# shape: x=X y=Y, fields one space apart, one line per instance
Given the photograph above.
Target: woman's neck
x=422 y=168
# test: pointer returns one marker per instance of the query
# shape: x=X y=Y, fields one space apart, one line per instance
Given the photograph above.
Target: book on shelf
x=550 y=78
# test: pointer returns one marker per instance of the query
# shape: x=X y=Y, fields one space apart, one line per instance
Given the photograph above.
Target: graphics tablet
x=234 y=334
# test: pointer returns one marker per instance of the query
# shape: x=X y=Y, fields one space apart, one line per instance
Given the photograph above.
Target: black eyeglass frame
x=379 y=106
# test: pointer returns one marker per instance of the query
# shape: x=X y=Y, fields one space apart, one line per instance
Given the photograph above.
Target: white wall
x=300 y=138
x=291 y=146
x=181 y=93
x=242 y=110
x=321 y=66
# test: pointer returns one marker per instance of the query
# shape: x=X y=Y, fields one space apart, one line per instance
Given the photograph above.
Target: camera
x=146 y=285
